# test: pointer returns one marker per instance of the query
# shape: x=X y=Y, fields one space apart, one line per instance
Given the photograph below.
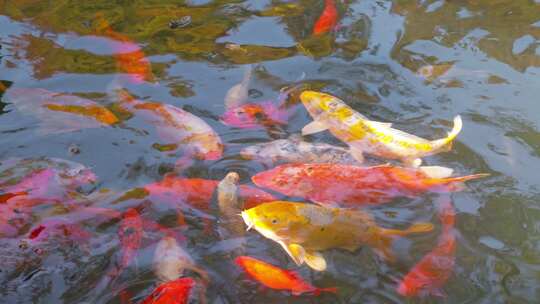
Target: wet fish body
x=295 y=150
x=277 y=278
x=368 y=136
x=130 y=234
x=304 y=230
x=348 y=185
x=255 y=115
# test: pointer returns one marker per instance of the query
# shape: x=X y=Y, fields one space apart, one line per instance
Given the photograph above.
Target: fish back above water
x=238 y=94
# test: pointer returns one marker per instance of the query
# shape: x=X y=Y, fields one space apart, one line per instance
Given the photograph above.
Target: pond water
x=414 y=63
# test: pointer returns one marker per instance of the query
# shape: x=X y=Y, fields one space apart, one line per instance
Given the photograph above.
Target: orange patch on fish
x=101 y=114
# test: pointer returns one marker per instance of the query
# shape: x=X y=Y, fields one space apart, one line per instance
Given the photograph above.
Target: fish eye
x=240 y=112
x=274 y=221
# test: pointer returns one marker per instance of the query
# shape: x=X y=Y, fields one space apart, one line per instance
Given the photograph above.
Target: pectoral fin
x=437 y=171
x=314 y=127
x=315 y=260
x=295 y=251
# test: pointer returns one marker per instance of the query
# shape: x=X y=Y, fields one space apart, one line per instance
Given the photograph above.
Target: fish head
x=289 y=179
x=274 y=220
x=317 y=103
x=245 y=116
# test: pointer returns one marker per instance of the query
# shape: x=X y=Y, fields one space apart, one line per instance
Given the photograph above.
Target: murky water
x=414 y=63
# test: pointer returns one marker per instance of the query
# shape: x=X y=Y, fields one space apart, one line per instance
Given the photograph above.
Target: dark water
x=486 y=58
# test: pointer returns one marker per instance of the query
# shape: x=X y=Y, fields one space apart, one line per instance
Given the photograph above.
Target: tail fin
x=457 y=183
x=445 y=144
x=327 y=289
x=386 y=236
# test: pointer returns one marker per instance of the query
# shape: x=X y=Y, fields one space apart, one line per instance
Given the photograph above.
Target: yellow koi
x=373 y=137
x=303 y=230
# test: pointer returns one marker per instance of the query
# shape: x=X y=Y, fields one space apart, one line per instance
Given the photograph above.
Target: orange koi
x=430 y=274
x=327 y=20
x=129 y=56
x=277 y=278
x=350 y=185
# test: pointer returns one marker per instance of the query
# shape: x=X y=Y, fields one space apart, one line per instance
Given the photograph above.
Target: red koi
x=129 y=56
x=173 y=292
x=350 y=185
x=430 y=274
x=327 y=20
x=277 y=278
x=130 y=234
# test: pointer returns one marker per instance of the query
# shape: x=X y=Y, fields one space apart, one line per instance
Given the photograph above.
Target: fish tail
x=318 y=291
x=445 y=144
x=414 y=228
x=457 y=183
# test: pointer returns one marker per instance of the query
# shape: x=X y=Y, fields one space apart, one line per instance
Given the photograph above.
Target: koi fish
x=172 y=292
x=230 y=205
x=129 y=56
x=60 y=113
x=295 y=150
x=266 y=114
x=327 y=20
x=303 y=230
x=238 y=94
x=130 y=234
x=372 y=137
x=170 y=261
x=176 y=127
x=347 y=185
x=430 y=274
x=277 y=278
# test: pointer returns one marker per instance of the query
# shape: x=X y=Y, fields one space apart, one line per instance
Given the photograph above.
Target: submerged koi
x=349 y=185
x=60 y=113
x=371 y=137
x=238 y=94
x=130 y=234
x=303 y=230
x=277 y=278
x=327 y=20
x=170 y=261
x=129 y=56
x=176 y=127
x=266 y=114
x=430 y=274
x=58 y=227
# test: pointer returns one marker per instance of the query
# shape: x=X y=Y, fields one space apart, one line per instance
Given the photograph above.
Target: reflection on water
x=414 y=63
